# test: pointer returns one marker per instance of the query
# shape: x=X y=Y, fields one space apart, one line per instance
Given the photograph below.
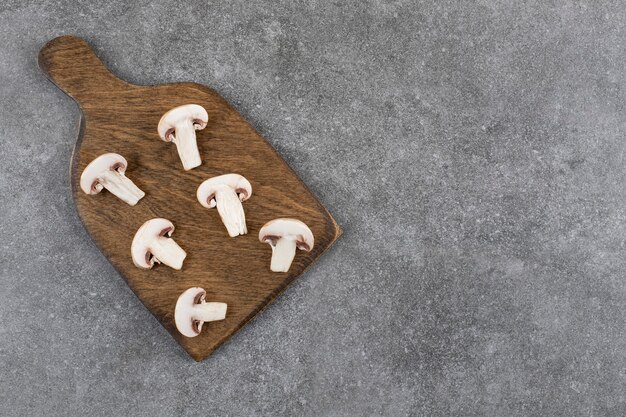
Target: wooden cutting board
x=122 y=118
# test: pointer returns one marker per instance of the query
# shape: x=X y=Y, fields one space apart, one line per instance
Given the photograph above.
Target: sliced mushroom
x=179 y=125
x=284 y=236
x=107 y=171
x=227 y=192
x=153 y=243
x=192 y=311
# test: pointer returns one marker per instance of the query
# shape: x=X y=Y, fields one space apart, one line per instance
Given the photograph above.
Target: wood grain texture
x=122 y=118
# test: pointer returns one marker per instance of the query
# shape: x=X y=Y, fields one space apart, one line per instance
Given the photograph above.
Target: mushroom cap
x=193 y=113
x=105 y=162
x=285 y=227
x=149 y=231
x=183 y=311
x=237 y=182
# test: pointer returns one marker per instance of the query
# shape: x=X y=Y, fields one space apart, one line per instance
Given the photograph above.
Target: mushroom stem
x=166 y=250
x=122 y=187
x=185 y=140
x=231 y=211
x=209 y=311
x=283 y=253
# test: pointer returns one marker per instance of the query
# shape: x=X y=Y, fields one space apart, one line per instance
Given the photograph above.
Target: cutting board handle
x=75 y=68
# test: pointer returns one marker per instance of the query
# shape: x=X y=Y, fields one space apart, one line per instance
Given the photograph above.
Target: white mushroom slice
x=179 y=125
x=227 y=192
x=192 y=312
x=107 y=171
x=152 y=243
x=284 y=236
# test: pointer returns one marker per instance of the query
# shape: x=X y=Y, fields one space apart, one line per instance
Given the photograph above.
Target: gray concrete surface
x=472 y=152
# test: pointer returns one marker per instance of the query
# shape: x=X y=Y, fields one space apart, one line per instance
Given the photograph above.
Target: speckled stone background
x=473 y=154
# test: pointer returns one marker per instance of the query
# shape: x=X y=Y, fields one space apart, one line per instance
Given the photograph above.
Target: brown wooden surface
x=122 y=118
